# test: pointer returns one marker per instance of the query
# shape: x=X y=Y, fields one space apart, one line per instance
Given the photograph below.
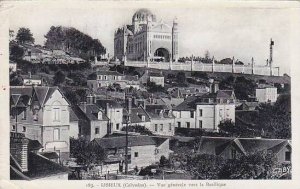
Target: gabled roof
x=154 y=111
x=217 y=145
x=187 y=105
x=73 y=116
x=91 y=112
x=120 y=141
x=112 y=103
x=136 y=115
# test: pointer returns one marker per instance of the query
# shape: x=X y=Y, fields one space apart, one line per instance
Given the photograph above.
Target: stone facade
x=147 y=39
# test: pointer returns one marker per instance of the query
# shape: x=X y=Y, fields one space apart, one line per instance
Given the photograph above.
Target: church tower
x=175 y=40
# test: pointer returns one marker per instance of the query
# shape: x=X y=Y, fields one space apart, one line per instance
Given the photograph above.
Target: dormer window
x=143 y=118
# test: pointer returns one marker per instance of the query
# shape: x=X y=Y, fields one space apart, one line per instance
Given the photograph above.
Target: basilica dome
x=143 y=15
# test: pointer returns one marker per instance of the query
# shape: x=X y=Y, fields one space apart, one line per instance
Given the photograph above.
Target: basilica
x=146 y=39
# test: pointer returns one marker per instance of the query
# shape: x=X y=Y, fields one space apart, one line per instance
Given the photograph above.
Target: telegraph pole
x=271 y=56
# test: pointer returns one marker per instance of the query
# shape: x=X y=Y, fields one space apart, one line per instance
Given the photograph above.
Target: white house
x=266 y=93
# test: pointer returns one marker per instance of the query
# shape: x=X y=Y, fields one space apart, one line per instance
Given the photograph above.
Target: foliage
x=242 y=86
x=16 y=52
x=152 y=87
x=85 y=153
x=15 y=79
x=75 y=96
x=59 y=77
x=74 y=41
x=24 y=35
x=138 y=129
x=79 y=79
x=198 y=74
x=253 y=166
x=163 y=161
x=205 y=166
x=181 y=77
x=234 y=130
x=275 y=120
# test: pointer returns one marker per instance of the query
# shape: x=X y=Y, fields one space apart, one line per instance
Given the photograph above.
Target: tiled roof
x=187 y=105
x=136 y=115
x=154 y=111
x=91 y=112
x=112 y=103
x=109 y=73
x=216 y=145
x=120 y=141
x=155 y=74
x=73 y=116
x=34 y=145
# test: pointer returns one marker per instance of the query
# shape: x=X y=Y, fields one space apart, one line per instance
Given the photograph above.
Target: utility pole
x=271 y=56
x=126 y=135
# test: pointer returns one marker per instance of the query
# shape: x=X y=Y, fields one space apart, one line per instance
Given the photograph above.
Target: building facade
x=146 y=39
x=42 y=113
x=266 y=94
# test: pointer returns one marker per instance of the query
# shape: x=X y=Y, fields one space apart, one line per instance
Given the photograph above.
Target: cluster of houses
x=43 y=121
x=38 y=54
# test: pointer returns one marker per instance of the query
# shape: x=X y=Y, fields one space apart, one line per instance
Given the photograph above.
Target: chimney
x=129 y=105
x=216 y=86
x=94 y=99
x=90 y=99
x=29 y=73
x=19 y=150
x=107 y=108
x=84 y=106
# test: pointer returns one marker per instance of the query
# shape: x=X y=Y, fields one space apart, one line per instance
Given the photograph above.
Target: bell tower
x=175 y=40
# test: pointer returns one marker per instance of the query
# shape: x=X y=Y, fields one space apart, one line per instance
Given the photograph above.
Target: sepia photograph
x=148 y=91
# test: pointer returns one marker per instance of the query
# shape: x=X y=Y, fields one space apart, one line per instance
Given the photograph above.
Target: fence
x=203 y=67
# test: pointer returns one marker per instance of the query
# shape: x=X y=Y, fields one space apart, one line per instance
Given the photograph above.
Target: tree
x=15 y=79
x=181 y=77
x=85 y=153
x=16 y=52
x=257 y=165
x=59 y=77
x=152 y=87
x=92 y=76
x=205 y=166
x=24 y=35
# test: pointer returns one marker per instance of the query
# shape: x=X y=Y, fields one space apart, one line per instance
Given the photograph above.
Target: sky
x=243 y=32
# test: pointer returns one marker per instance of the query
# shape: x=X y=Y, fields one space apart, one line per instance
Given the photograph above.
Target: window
x=170 y=126
x=161 y=127
x=96 y=130
x=23 y=129
x=287 y=156
x=200 y=124
x=13 y=127
x=136 y=154
x=117 y=126
x=56 y=112
x=178 y=124
x=227 y=112
x=200 y=112
x=24 y=114
x=105 y=77
x=155 y=127
x=233 y=153
x=55 y=134
x=143 y=118
x=192 y=114
x=187 y=124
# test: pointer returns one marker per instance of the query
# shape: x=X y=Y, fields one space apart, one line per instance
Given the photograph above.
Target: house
x=266 y=93
x=93 y=123
x=206 y=111
x=41 y=113
x=184 y=92
x=26 y=164
x=111 y=78
x=135 y=115
x=32 y=79
x=162 y=120
x=231 y=148
x=114 y=111
x=142 y=151
x=32 y=54
x=12 y=66
x=247 y=106
x=155 y=77
x=74 y=124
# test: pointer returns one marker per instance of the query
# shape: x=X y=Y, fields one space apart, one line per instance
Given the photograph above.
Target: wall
x=74 y=129
x=116 y=117
x=246 y=69
x=266 y=94
x=183 y=117
x=102 y=125
x=165 y=122
x=145 y=156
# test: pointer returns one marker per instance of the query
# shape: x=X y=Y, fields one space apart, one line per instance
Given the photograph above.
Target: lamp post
x=126 y=143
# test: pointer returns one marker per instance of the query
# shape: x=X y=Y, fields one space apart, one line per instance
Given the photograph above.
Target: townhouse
x=266 y=93
x=41 y=113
